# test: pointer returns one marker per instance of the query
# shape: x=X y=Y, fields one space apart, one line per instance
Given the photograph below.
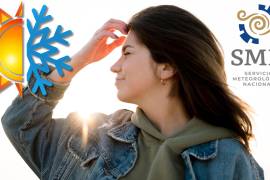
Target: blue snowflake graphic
x=46 y=42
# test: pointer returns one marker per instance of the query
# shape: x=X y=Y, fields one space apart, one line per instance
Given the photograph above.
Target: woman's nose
x=116 y=67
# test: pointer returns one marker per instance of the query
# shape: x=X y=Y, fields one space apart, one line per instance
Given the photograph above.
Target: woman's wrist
x=77 y=63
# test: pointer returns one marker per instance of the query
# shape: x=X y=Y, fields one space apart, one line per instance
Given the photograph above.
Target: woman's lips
x=117 y=80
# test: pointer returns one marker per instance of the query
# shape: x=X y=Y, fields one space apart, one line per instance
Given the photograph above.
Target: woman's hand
x=94 y=50
x=97 y=48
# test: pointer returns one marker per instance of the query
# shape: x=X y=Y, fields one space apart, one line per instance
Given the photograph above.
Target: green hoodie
x=159 y=156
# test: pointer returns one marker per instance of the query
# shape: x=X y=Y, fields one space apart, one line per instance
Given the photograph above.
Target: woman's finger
x=116 y=21
x=116 y=25
x=106 y=34
x=116 y=43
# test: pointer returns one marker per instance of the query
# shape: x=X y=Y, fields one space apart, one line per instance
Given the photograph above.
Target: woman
x=188 y=124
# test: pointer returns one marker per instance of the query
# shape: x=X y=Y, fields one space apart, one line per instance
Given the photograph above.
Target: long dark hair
x=177 y=37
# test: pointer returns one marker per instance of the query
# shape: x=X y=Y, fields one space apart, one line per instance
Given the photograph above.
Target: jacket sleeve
x=246 y=168
x=29 y=125
x=238 y=163
x=226 y=159
x=235 y=162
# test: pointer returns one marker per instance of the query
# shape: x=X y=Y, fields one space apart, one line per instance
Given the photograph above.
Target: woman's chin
x=121 y=97
x=124 y=98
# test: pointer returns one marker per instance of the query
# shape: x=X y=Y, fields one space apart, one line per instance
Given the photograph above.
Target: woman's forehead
x=131 y=38
x=132 y=41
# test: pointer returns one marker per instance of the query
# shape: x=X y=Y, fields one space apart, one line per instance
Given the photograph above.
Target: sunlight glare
x=86 y=122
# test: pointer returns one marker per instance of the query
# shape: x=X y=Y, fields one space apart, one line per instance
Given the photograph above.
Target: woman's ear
x=166 y=71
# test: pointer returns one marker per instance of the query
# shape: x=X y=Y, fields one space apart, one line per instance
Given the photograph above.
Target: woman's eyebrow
x=126 y=46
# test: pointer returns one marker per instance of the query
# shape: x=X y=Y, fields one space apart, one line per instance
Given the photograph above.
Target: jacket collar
x=128 y=133
x=203 y=151
x=125 y=132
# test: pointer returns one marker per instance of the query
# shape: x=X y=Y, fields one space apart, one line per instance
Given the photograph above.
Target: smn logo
x=258 y=24
x=11 y=49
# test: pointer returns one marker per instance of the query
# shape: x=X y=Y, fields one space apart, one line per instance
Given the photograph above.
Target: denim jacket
x=56 y=149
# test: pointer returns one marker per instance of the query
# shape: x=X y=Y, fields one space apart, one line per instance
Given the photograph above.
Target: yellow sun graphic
x=11 y=49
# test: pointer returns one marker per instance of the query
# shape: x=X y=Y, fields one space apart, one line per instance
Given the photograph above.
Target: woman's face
x=135 y=70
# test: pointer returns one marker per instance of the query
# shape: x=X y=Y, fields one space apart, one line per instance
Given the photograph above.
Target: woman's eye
x=126 y=53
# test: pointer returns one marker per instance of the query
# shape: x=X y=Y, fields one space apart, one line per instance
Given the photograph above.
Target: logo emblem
x=42 y=52
x=254 y=25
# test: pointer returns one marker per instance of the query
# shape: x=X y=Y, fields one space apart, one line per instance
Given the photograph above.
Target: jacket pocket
x=85 y=152
x=78 y=160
